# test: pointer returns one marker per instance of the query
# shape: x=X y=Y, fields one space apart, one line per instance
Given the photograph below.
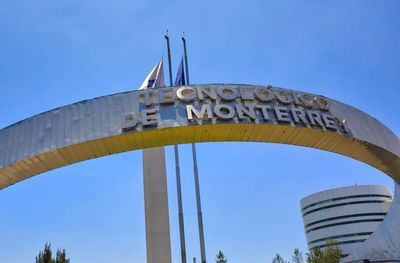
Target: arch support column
x=158 y=244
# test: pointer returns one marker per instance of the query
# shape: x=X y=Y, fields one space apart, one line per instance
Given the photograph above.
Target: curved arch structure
x=202 y=113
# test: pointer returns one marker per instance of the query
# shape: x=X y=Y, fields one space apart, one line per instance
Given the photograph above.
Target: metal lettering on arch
x=203 y=113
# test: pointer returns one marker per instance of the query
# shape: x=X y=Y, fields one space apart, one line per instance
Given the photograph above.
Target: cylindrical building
x=348 y=215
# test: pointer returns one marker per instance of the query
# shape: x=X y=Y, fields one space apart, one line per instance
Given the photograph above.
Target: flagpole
x=169 y=59
x=186 y=61
x=196 y=176
x=178 y=174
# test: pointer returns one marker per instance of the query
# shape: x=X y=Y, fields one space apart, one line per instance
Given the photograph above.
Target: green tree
x=330 y=254
x=278 y=259
x=45 y=256
x=221 y=257
x=297 y=256
x=61 y=258
x=333 y=252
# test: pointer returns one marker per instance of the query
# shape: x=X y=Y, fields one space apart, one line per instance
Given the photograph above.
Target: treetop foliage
x=45 y=256
x=221 y=258
x=331 y=253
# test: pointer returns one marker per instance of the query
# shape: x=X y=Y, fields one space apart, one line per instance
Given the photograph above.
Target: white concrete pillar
x=158 y=244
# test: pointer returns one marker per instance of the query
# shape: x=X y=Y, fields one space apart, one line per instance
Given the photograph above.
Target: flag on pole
x=180 y=75
x=156 y=77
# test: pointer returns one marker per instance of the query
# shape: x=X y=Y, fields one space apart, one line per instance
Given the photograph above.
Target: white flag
x=156 y=77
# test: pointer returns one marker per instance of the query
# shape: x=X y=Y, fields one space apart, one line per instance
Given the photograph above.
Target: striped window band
x=345 y=223
x=340 y=236
x=343 y=217
x=343 y=198
x=344 y=243
x=342 y=204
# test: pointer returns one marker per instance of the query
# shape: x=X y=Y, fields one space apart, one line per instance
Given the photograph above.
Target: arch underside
x=373 y=155
x=93 y=128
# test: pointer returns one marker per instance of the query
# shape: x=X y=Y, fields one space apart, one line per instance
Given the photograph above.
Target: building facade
x=348 y=215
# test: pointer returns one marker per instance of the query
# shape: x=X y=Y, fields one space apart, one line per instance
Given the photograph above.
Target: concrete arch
x=198 y=113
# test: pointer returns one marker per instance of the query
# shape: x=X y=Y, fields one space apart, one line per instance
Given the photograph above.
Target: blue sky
x=54 y=53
